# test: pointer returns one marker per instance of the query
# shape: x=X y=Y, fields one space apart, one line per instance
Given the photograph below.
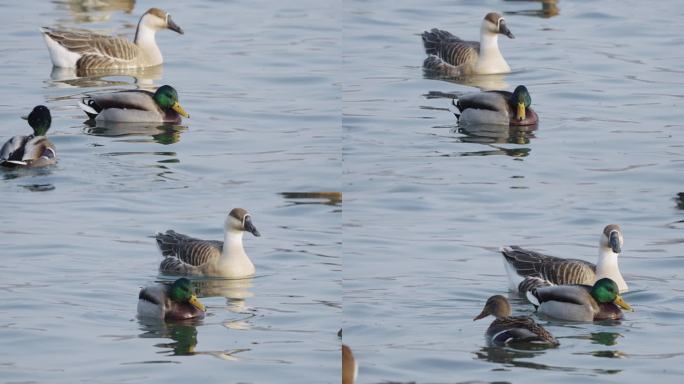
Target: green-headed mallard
x=176 y=301
x=135 y=106
x=497 y=108
x=527 y=269
x=185 y=255
x=85 y=50
x=32 y=150
x=451 y=56
x=507 y=329
x=602 y=301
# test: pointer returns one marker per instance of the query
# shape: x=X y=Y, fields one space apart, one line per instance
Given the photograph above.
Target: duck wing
x=572 y=294
x=521 y=329
x=39 y=148
x=13 y=149
x=132 y=99
x=492 y=100
x=554 y=270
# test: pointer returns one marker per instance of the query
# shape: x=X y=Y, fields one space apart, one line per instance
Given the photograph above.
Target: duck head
x=167 y=98
x=606 y=291
x=239 y=220
x=494 y=23
x=40 y=120
x=181 y=292
x=496 y=306
x=522 y=100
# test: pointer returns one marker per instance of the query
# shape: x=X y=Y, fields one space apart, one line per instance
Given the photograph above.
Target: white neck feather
x=234 y=259
x=145 y=40
x=608 y=267
x=490 y=59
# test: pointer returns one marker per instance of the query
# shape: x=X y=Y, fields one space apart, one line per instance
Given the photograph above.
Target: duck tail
x=90 y=107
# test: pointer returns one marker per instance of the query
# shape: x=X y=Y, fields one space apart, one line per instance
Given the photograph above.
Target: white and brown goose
x=86 y=50
x=451 y=56
x=529 y=269
x=185 y=255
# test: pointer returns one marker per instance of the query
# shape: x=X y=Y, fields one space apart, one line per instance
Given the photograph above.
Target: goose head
x=611 y=238
x=239 y=220
x=494 y=24
x=157 y=19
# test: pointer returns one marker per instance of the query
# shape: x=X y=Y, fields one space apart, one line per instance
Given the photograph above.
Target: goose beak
x=173 y=26
x=614 y=241
x=194 y=301
x=177 y=107
x=503 y=29
x=521 y=111
x=249 y=227
x=620 y=302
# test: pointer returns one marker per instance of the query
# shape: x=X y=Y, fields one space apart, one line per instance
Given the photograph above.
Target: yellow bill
x=177 y=107
x=620 y=302
x=521 y=111
x=196 y=303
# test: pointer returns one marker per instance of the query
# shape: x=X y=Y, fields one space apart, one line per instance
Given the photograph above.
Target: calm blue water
x=261 y=83
x=426 y=206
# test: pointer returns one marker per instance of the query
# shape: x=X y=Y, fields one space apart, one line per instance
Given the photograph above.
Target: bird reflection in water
x=549 y=8
x=236 y=291
x=160 y=133
x=89 y=11
x=496 y=134
x=142 y=78
x=182 y=339
x=483 y=82
x=327 y=198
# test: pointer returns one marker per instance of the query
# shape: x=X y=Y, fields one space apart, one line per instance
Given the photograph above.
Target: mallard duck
x=170 y=302
x=527 y=269
x=349 y=368
x=135 y=106
x=449 y=55
x=577 y=302
x=507 y=329
x=497 y=108
x=185 y=255
x=32 y=150
x=88 y=50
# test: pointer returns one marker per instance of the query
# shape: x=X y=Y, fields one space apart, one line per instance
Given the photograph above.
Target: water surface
x=427 y=204
x=260 y=81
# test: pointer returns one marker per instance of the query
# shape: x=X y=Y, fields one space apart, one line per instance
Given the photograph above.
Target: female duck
x=185 y=255
x=85 y=50
x=32 y=150
x=170 y=302
x=135 y=106
x=497 y=108
x=527 y=269
x=580 y=302
x=507 y=329
x=451 y=56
